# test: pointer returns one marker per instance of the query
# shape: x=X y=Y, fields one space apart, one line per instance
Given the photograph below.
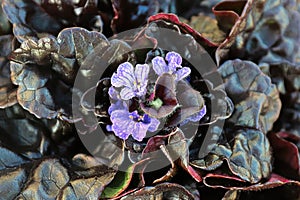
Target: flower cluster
x=138 y=102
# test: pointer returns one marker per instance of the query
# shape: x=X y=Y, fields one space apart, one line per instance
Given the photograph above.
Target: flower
x=162 y=101
x=125 y=123
x=173 y=67
x=134 y=82
x=170 y=97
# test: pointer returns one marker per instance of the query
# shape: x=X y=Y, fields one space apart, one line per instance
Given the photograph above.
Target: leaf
x=5 y=26
x=8 y=93
x=45 y=70
x=257 y=107
x=267 y=34
x=239 y=24
x=176 y=148
x=286 y=155
x=248 y=157
x=219 y=180
x=132 y=14
x=276 y=187
x=37 y=19
x=208 y=27
x=12 y=178
x=190 y=102
x=251 y=159
x=228 y=13
x=278 y=21
x=12 y=183
x=23 y=15
x=49 y=178
x=171 y=18
x=164 y=190
x=119 y=183
x=179 y=148
x=33 y=138
x=286 y=76
x=91 y=180
x=256 y=99
x=91 y=15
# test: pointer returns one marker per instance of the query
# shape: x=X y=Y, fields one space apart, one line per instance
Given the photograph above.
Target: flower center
x=157 y=103
x=135 y=117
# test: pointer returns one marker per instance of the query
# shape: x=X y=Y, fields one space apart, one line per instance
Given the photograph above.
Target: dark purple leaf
x=179 y=148
x=90 y=179
x=176 y=149
x=257 y=106
x=285 y=76
x=184 y=28
x=164 y=191
x=245 y=19
x=5 y=26
x=50 y=178
x=276 y=187
x=228 y=13
x=189 y=100
x=219 y=180
x=248 y=156
x=8 y=92
x=286 y=155
x=256 y=99
x=13 y=175
x=24 y=15
x=89 y=14
x=131 y=14
x=37 y=19
x=44 y=70
x=268 y=33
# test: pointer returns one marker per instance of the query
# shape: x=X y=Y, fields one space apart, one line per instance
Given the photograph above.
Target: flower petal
x=141 y=74
x=113 y=93
x=120 y=123
x=159 y=65
x=118 y=105
x=174 y=60
x=139 y=131
x=153 y=125
x=127 y=93
x=182 y=73
x=124 y=75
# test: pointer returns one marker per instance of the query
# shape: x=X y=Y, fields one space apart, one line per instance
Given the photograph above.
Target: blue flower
x=173 y=66
x=125 y=123
x=133 y=81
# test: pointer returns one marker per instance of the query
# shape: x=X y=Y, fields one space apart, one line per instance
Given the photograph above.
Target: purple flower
x=133 y=81
x=173 y=66
x=125 y=123
x=116 y=102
